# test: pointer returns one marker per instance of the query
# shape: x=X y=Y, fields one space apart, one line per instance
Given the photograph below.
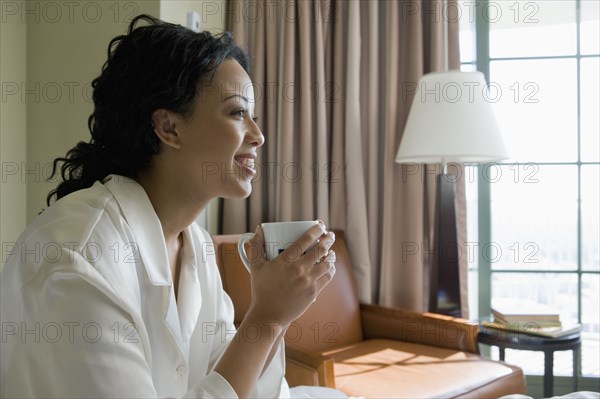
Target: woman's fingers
x=319 y=251
x=324 y=267
x=296 y=250
x=324 y=271
x=284 y=288
x=256 y=247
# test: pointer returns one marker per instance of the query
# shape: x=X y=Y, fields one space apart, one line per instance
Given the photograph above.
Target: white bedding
x=574 y=395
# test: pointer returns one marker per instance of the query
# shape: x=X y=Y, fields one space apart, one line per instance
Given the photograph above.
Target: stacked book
x=529 y=318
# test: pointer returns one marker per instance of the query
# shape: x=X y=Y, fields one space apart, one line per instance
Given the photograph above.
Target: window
x=539 y=210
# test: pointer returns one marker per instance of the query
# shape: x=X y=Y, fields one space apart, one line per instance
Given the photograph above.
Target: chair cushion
x=382 y=368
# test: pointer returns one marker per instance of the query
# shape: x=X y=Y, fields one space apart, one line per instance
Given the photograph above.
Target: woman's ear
x=164 y=124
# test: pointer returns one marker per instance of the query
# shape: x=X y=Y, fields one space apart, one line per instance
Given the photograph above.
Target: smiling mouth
x=246 y=163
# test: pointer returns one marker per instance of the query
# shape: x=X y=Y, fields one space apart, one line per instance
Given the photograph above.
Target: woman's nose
x=254 y=135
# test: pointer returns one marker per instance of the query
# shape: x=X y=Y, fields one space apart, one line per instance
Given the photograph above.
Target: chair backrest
x=333 y=320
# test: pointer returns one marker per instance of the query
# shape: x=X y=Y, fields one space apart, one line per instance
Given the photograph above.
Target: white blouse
x=88 y=307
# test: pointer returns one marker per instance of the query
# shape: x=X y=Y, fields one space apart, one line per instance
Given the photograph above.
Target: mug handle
x=242 y=249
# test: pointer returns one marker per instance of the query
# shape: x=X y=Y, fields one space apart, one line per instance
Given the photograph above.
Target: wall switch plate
x=193 y=21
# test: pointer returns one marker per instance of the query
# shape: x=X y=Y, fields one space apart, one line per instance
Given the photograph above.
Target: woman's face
x=220 y=138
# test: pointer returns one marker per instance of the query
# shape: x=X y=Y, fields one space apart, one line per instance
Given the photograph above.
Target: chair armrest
x=421 y=328
x=305 y=367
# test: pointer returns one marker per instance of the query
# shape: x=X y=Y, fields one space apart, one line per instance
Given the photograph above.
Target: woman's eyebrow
x=236 y=95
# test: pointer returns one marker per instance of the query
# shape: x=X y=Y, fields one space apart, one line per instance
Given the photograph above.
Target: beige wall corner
x=51 y=51
x=66 y=47
x=13 y=125
x=212 y=13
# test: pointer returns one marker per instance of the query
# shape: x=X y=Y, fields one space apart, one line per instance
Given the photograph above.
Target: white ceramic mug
x=278 y=237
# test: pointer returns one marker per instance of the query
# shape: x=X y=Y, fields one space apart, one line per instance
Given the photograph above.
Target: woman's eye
x=239 y=112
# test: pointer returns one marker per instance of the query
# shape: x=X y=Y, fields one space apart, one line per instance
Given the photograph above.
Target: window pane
x=590 y=318
x=467 y=31
x=553 y=289
x=534 y=217
x=590 y=217
x=590 y=104
x=531 y=28
x=536 y=105
x=590 y=27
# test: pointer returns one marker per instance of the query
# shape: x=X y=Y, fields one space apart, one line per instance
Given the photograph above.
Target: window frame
x=483 y=268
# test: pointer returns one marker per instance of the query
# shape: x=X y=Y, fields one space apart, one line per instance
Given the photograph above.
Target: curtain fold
x=340 y=77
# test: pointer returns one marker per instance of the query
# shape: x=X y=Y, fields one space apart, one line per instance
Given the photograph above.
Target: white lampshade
x=451 y=120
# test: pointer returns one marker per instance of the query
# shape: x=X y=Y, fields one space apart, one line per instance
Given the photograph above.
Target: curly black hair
x=155 y=66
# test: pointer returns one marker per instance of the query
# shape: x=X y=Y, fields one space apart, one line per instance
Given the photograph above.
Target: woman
x=124 y=298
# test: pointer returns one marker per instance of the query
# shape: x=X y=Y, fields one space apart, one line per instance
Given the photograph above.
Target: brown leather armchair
x=372 y=351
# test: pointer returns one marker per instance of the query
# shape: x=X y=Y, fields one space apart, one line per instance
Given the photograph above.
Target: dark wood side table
x=517 y=340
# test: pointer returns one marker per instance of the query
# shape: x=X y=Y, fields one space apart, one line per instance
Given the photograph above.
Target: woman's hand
x=285 y=287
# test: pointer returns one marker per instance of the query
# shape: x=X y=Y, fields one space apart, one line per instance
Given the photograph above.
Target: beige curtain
x=333 y=82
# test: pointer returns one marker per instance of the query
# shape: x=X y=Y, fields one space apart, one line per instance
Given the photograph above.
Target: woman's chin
x=242 y=190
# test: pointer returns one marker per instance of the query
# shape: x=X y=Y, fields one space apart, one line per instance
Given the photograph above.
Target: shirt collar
x=144 y=225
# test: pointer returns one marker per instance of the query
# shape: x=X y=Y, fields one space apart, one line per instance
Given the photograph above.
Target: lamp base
x=444 y=294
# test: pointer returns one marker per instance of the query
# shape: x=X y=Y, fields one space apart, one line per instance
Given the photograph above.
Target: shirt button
x=180 y=369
